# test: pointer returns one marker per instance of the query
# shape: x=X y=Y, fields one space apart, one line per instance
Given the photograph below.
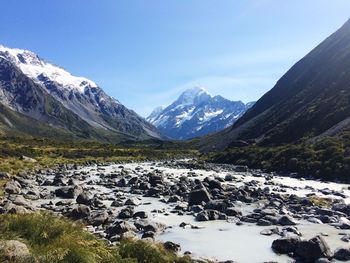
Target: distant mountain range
x=197 y=113
x=42 y=99
x=311 y=101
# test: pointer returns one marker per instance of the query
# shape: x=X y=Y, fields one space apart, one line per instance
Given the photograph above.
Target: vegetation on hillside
x=58 y=240
x=328 y=158
x=50 y=152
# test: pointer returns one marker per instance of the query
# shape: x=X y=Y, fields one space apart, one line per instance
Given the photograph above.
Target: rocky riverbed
x=219 y=212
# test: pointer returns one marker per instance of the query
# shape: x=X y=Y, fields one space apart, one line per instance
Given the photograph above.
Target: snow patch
x=33 y=66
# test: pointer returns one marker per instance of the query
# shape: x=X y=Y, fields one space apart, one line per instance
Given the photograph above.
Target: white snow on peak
x=189 y=96
x=33 y=66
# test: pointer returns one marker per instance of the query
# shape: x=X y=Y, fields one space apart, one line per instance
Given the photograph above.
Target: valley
x=190 y=206
x=247 y=160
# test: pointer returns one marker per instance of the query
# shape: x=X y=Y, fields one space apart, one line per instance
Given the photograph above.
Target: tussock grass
x=145 y=252
x=52 y=239
x=321 y=202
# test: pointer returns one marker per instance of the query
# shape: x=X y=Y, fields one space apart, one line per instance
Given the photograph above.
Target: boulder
x=171 y=246
x=286 y=221
x=140 y=214
x=132 y=202
x=79 y=212
x=14 y=251
x=119 y=228
x=98 y=218
x=14 y=209
x=28 y=159
x=154 y=227
x=13 y=187
x=313 y=249
x=342 y=254
x=4 y=176
x=125 y=213
x=69 y=192
x=198 y=196
x=84 y=198
x=285 y=245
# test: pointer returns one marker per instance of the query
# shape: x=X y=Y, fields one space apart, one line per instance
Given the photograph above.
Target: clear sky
x=146 y=52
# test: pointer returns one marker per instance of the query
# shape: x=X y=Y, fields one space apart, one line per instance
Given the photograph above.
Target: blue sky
x=146 y=52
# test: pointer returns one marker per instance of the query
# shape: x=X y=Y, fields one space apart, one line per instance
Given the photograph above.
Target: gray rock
x=126 y=213
x=119 y=228
x=342 y=254
x=171 y=246
x=286 y=221
x=13 y=187
x=132 y=202
x=198 y=196
x=285 y=245
x=313 y=249
x=4 y=176
x=14 y=251
x=140 y=214
x=14 y=209
x=80 y=211
x=84 y=198
x=232 y=211
x=69 y=192
x=98 y=218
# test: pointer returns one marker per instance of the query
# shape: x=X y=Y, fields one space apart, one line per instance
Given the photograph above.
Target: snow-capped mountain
x=28 y=82
x=197 y=113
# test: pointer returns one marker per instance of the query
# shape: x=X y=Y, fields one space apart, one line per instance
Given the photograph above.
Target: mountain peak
x=193 y=96
x=35 y=67
x=196 y=113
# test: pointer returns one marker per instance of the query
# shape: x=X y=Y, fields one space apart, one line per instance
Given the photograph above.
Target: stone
x=342 y=254
x=4 y=176
x=313 y=249
x=119 y=228
x=285 y=245
x=140 y=214
x=28 y=159
x=98 y=218
x=154 y=227
x=14 y=251
x=126 y=213
x=198 y=196
x=286 y=221
x=79 y=212
x=13 y=187
x=171 y=246
x=232 y=211
x=132 y=202
x=69 y=192
x=84 y=198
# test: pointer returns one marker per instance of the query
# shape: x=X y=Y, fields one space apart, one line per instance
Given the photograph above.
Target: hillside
x=48 y=100
x=310 y=101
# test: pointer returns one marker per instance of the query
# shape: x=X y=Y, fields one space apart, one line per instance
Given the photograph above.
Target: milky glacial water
x=222 y=240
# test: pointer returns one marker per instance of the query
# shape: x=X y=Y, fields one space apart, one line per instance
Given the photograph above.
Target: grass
x=328 y=158
x=321 y=202
x=51 y=239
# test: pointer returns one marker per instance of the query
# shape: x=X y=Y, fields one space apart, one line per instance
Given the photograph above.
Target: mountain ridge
x=48 y=93
x=196 y=113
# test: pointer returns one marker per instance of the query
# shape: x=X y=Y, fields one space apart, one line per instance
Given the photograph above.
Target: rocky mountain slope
x=196 y=113
x=44 y=92
x=310 y=101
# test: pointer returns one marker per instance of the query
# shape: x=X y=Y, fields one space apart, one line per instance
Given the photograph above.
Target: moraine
x=243 y=202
